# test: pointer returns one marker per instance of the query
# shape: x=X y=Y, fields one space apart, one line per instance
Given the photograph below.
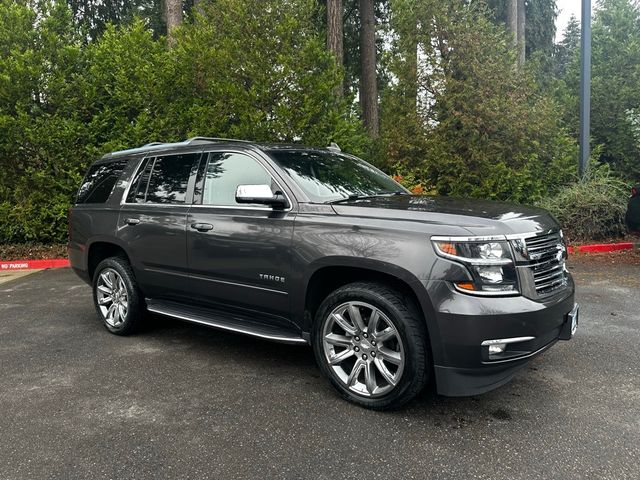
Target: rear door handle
x=202 y=227
x=132 y=221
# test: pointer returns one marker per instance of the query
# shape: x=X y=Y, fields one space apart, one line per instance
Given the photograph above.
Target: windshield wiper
x=353 y=197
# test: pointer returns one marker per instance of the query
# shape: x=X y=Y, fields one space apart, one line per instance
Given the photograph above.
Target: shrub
x=592 y=208
x=483 y=128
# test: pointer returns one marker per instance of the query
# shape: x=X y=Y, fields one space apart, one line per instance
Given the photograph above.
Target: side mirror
x=260 y=194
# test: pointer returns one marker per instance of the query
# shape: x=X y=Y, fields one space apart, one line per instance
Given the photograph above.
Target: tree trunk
x=521 y=32
x=368 y=74
x=412 y=66
x=173 y=17
x=512 y=21
x=335 y=35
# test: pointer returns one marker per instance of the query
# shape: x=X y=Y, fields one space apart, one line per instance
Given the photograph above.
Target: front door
x=239 y=255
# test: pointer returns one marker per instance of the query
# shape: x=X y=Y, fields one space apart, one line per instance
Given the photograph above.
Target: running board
x=229 y=322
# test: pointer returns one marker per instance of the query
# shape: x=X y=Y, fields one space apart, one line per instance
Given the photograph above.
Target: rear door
x=152 y=223
x=239 y=255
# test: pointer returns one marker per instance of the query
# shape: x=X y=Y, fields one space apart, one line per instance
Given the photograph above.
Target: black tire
x=136 y=308
x=410 y=327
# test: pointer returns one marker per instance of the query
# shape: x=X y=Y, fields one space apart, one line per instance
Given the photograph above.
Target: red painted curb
x=603 y=247
x=33 y=264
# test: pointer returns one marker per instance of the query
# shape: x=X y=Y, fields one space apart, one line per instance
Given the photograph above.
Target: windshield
x=327 y=176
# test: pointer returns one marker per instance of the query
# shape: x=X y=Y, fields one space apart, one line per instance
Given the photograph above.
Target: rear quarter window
x=99 y=181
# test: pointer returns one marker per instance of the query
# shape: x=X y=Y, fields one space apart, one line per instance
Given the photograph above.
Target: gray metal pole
x=585 y=87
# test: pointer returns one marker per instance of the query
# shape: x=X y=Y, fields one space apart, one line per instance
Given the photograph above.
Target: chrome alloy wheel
x=113 y=299
x=363 y=348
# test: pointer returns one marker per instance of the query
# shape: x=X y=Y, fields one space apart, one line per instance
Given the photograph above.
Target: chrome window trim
x=242 y=207
x=123 y=201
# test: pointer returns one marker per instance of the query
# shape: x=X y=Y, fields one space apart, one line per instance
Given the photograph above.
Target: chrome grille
x=547 y=254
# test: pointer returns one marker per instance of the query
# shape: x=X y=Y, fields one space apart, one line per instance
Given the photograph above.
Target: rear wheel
x=116 y=296
x=371 y=343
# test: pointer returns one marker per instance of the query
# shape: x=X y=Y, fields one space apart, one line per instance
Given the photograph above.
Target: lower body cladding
x=481 y=342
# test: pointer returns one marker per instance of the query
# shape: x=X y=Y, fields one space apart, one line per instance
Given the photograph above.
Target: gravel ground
x=181 y=401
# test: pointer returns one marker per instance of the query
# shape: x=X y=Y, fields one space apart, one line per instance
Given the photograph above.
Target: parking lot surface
x=183 y=401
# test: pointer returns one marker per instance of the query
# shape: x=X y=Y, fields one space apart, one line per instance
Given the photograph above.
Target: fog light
x=497 y=348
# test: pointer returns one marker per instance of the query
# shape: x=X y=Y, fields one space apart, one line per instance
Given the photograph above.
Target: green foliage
x=251 y=69
x=38 y=115
x=592 y=208
x=276 y=86
x=483 y=129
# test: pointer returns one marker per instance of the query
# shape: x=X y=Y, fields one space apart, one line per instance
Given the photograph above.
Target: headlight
x=489 y=261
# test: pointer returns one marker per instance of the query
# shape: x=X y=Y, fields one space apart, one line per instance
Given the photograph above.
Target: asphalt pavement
x=183 y=401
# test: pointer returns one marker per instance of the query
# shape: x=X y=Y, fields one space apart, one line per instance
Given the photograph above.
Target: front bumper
x=463 y=365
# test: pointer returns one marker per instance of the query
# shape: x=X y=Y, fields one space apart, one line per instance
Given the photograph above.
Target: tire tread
x=415 y=332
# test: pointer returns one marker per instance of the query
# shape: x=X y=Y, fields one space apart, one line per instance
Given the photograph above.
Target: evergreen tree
x=568 y=48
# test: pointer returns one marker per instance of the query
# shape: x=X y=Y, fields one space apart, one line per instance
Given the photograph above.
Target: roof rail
x=152 y=146
x=214 y=139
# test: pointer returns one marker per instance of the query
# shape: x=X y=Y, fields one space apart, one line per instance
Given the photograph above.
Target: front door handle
x=202 y=227
x=132 y=221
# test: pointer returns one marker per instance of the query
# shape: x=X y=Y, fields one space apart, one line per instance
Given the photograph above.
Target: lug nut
x=373 y=354
x=373 y=342
x=357 y=339
x=365 y=335
x=364 y=356
x=356 y=349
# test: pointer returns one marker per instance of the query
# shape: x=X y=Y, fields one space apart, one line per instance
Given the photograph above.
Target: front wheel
x=371 y=343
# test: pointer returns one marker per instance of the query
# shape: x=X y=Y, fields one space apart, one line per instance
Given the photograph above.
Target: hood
x=478 y=217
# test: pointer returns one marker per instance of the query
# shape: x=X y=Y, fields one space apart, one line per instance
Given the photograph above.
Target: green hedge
x=65 y=101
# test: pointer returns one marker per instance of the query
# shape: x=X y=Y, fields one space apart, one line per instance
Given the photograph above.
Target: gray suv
x=312 y=246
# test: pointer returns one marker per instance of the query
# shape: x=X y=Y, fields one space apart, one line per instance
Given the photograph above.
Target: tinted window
x=225 y=171
x=168 y=180
x=140 y=181
x=99 y=182
x=326 y=176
